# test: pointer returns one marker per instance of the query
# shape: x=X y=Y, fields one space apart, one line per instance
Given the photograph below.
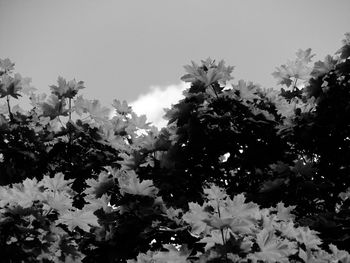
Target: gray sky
x=122 y=48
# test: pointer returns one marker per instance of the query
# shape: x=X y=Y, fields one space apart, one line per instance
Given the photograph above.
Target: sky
x=135 y=50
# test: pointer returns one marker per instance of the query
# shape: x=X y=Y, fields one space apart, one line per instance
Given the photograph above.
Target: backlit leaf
x=79 y=218
x=66 y=89
x=272 y=249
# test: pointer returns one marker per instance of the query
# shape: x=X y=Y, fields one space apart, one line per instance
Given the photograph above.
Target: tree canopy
x=241 y=173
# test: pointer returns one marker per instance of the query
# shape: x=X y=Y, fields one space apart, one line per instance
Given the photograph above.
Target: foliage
x=240 y=174
x=235 y=231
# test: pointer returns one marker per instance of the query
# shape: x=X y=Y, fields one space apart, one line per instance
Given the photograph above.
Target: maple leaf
x=238 y=208
x=308 y=237
x=323 y=67
x=215 y=237
x=194 y=73
x=54 y=107
x=98 y=187
x=266 y=114
x=272 y=249
x=25 y=193
x=76 y=258
x=10 y=86
x=283 y=213
x=296 y=69
x=234 y=258
x=56 y=183
x=245 y=244
x=119 y=124
x=308 y=106
x=109 y=137
x=98 y=203
x=195 y=217
x=208 y=63
x=293 y=69
x=4 y=108
x=6 y=65
x=242 y=216
x=211 y=77
x=173 y=214
x=345 y=50
x=268 y=220
x=286 y=109
x=247 y=91
x=24 y=85
x=142 y=258
x=218 y=222
x=93 y=107
x=66 y=89
x=97 y=112
x=146 y=141
x=16 y=108
x=209 y=73
x=215 y=193
x=60 y=201
x=304 y=55
x=80 y=105
x=123 y=175
x=287 y=229
x=134 y=186
x=283 y=75
x=225 y=72
x=121 y=107
x=54 y=125
x=308 y=257
x=218 y=73
x=339 y=255
x=173 y=255
x=140 y=122
x=37 y=99
x=79 y=218
x=242 y=225
x=5 y=196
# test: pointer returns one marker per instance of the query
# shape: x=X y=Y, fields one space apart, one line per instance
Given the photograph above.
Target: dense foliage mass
x=240 y=174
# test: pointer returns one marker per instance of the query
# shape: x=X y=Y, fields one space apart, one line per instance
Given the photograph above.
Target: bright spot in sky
x=152 y=103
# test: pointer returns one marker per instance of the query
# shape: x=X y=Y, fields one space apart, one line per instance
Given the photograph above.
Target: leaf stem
x=48 y=212
x=217 y=96
x=222 y=231
x=295 y=84
x=70 y=108
x=9 y=108
x=60 y=121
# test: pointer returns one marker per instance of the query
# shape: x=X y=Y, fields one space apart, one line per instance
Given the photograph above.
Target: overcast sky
x=132 y=49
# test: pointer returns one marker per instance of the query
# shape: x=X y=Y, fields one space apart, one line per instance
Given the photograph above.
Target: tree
x=240 y=174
